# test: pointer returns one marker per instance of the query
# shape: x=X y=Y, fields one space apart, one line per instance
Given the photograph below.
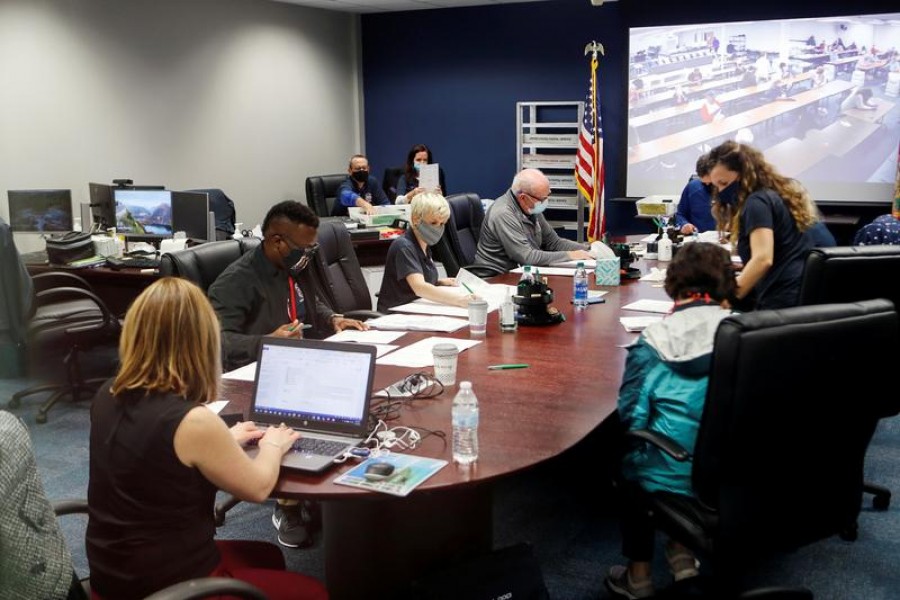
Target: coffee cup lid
x=445 y=349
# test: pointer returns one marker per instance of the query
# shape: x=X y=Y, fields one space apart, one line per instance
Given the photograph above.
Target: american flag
x=589 y=172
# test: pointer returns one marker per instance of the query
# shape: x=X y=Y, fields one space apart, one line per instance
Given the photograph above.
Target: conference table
x=527 y=416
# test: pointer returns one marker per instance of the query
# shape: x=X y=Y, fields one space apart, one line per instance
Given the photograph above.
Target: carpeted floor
x=571 y=524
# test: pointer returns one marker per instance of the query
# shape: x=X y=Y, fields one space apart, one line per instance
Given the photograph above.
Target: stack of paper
x=406 y=322
x=468 y=283
x=637 y=323
x=654 y=306
x=419 y=355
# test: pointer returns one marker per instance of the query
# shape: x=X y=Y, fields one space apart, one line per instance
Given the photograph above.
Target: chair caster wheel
x=40 y=418
x=881 y=502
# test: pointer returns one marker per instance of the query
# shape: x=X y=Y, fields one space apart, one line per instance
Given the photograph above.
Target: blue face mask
x=539 y=207
x=417 y=166
x=728 y=196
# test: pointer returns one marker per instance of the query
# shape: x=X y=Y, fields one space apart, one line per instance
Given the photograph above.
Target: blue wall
x=450 y=78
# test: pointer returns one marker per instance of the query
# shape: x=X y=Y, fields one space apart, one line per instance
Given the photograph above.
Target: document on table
x=430 y=176
x=493 y=293
x=365 y=337
x=419 y=354
x=564 y=271
x=632 y=324
x=216 y=405
x=654 y=306
x=655 y=274
x=589 y=263
x=408 y=322
x=245 y=373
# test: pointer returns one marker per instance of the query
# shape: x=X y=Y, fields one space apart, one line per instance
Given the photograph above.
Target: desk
x=528 y=416
x=117 y=289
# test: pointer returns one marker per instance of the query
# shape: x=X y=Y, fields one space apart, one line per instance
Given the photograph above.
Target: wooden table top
x=528 y=415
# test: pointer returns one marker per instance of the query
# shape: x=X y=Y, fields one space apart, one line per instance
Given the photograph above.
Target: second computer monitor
x=40 y=210
x=190 y=214
x=143 y=212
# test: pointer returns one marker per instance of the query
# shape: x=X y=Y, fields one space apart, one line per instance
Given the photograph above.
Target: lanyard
x=292 y=303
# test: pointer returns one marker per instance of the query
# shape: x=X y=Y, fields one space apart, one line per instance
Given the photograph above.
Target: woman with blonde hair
x=158 y=456
x=767 y=215
x=409 y=271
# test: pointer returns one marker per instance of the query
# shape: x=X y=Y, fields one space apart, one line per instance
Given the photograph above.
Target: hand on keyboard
x=281 y=436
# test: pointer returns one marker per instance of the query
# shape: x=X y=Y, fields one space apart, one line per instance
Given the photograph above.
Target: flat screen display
x=40 y=210
x=818 y=96
x=143 y=212
x=190 y=214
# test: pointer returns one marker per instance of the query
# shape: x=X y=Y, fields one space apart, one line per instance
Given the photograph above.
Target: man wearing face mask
x=515 y=232
x=359 y=189
x=694 y=212
x=268 y=292
x=409 y=270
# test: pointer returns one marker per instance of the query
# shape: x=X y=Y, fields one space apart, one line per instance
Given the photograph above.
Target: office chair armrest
x=664 y=443
x=60 y=293
x=204 y=587
x=362 y=315
x=70 y=507
x=55 y=279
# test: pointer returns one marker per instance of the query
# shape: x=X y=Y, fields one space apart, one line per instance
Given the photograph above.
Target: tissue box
x=607 y=271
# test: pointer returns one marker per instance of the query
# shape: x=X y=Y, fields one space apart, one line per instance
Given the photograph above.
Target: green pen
x=468 y=289
x=302 y=326
x=504 y=367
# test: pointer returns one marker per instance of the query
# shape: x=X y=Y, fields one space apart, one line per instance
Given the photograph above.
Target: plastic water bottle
x=465 y=425
x=508 y=314
x=580 y=287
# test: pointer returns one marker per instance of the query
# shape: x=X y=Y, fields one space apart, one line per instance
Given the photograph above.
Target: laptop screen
x=322 y=383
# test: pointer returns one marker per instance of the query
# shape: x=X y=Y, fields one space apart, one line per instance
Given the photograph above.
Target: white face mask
x=539 y=207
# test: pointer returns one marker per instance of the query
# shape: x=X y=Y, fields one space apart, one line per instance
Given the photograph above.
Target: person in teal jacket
x=664 y=390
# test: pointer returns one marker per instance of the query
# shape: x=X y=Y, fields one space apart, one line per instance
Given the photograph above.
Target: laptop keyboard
x=318 y=446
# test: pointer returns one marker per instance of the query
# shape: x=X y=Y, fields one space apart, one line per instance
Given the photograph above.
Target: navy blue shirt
x=694 y=207
x=404 y=257
x=348 y=191
x=780 y=286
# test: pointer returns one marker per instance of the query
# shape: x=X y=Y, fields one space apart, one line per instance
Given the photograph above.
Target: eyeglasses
x=538 y=200
x=308 y=254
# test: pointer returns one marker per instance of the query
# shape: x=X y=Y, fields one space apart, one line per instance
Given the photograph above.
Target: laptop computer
x=322 y=389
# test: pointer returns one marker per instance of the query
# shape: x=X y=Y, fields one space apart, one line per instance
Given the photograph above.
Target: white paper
x=601 y=250
x=653 y=306
x=655 y=274
x=407 y=322
x=419 y=355
x=429 y=177
x=494 y=294
x=589 y=263
x=365 y=337
x=245 y=373
x=565 y=272
x=632 y=324
x=382 y=349
x=216 y=405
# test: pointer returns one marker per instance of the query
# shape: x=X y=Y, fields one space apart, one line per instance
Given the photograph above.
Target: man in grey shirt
x=515 y=232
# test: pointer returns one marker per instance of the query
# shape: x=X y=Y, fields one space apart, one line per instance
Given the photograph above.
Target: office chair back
x=16 y=291
x=792 y=403
x=223 y=208
x=204 y=263
x=338 y=272
x=389 y=181
x=321 y=192
x=460 y=241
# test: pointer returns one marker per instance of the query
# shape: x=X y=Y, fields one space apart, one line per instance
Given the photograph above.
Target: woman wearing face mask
x=766 y=215
x=409 y=271
x=408 y=184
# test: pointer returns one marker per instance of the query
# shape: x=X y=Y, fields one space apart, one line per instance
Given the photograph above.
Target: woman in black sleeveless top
x=158 y=456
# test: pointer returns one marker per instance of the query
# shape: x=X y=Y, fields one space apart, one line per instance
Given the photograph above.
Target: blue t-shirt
x=694 y=207
x=348 y=191
x=404 y=257
x=780 y=286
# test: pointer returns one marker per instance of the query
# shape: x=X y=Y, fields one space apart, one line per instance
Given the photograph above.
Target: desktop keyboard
x=132 y=262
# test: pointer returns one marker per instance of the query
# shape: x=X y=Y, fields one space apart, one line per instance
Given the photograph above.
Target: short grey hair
x=527 y=180
x=428 y=204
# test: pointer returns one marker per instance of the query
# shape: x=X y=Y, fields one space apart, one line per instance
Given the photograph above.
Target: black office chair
x=389 y=181
x=223 y=207
x=62 y=312
x=339 y=275
x=321 y=192
x=204 y=263
x=791 y=406
x=459 y=243
x=849 y=274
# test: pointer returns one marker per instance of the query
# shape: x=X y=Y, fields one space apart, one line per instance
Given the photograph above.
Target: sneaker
x=682 y=564
x=619 y=582
x=292 y=530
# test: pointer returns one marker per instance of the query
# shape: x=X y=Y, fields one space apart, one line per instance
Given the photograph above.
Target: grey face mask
x=430 y=234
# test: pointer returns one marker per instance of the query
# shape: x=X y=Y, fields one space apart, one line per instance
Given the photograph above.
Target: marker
x=505 y=367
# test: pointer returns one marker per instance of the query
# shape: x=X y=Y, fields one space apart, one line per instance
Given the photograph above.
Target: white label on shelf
x=563 y=181
x=551 y=139
x=538 y=161
x=563 y=200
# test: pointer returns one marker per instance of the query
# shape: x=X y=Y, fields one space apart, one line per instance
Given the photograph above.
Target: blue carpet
x=572 y=527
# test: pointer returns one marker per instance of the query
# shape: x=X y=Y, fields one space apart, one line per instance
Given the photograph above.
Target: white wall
x=251 y=96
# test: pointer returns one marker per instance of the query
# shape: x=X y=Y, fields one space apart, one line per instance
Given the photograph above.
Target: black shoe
x=292 y=529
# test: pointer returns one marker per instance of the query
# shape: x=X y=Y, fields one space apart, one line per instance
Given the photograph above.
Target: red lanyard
x=292 y=311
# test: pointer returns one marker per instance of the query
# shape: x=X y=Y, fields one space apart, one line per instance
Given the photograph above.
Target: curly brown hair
x=754 y=174
x=701 y=268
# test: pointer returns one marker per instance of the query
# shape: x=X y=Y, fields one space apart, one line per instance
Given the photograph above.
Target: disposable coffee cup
x=478 y=317
x=445 y=356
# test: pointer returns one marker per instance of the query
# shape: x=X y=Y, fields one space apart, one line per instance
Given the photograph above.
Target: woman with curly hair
x=767 y=215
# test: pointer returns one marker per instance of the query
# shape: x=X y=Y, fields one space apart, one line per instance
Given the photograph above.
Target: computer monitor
x=103 y=206
x=146 y=213
x=40 y=210
x=190 y=214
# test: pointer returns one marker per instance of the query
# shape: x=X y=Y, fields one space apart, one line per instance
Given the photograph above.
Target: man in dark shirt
x=359 y=189
x=694 y=212
x=269 y=292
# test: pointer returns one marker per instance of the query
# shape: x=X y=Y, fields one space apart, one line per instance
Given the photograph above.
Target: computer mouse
x=378 y=471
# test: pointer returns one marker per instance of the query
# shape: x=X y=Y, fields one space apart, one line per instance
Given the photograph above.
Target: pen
x=302 y=326
x=505 y=367
x=468 y=289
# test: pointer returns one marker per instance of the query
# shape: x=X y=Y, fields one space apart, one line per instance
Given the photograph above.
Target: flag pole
x=592 y=48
